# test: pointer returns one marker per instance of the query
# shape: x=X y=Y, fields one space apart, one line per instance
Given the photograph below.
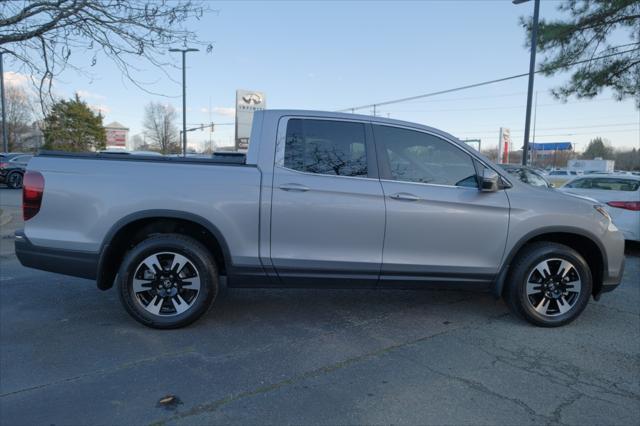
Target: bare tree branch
x=43 y=38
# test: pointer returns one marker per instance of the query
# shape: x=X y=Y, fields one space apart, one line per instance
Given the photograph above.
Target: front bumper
x=610 y=283
x=67 y=262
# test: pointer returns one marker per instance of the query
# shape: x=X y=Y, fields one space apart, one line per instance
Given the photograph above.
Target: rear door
x=439 y=227
x=328 y=211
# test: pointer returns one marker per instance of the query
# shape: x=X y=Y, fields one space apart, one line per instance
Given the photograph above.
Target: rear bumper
x=68 y=262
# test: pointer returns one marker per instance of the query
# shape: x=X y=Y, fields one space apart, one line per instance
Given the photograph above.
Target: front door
x=439 y=227
x=328 y=212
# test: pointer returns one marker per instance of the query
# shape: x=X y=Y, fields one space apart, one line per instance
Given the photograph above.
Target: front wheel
x=168 y=281
x=549 y=284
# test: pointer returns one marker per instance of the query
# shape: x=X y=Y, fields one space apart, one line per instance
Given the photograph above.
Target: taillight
x=627 y=205
x=32 y=190
x=3 y=165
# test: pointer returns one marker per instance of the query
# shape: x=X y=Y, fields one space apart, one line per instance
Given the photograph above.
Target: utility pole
x=5 y=141
x=184 y=96
x=535 y=119
x=532 y=66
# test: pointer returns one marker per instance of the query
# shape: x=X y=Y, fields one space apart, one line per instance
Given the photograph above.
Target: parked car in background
x=560 y=177
x=619 y=193
x=527 y=175
x=12 y=167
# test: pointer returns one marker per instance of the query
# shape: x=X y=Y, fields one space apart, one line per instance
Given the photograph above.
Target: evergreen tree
x=72 y=126
x=604 y=36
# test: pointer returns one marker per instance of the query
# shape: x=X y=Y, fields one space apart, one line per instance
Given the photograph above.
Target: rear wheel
x=14 y=180
x=168 y=281
x=549 y=284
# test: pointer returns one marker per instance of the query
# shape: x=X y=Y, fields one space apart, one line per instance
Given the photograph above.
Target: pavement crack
x=556 y=371
x=99 y=372
x=216 y=404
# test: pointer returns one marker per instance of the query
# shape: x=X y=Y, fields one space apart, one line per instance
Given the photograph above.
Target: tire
x=168 y=281
x=14 y=180
x=549 y=284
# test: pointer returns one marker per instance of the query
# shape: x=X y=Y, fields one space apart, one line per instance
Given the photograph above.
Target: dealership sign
x=247 y=102
x=116 y=135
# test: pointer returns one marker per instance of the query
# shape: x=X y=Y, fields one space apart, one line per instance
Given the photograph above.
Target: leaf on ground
x=169 y=402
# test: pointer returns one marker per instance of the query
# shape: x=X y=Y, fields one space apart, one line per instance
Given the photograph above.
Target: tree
x=19 y=114
x=160 y=127
x=598 y=147
x=46 y=36
x=586 y=37
x=72 y=126
x=627 y=159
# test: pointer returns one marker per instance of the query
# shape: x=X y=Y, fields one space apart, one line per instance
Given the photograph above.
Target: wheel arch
x=578 y=239
x=132 y=229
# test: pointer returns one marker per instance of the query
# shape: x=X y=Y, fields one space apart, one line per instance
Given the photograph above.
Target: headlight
x=602 y=211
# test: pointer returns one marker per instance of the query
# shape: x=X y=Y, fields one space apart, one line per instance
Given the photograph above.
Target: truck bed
x=230 y=158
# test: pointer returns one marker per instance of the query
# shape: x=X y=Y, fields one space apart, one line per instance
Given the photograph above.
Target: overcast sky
x=333 y=55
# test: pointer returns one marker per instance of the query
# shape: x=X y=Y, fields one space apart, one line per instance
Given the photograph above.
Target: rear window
x=580 y=183
x=613 y=184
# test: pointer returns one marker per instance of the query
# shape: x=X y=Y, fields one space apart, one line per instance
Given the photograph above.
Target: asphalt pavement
x=69 y=354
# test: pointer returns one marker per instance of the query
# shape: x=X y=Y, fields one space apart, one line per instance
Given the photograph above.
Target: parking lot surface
x=69 y=354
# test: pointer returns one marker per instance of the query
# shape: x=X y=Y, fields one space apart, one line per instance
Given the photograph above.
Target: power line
x=562 y=128
x=471 y=86
x=587 y=133
x=496 y=108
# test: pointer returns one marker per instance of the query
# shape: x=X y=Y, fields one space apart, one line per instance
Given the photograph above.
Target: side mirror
x=552 y=185
x=489 y=180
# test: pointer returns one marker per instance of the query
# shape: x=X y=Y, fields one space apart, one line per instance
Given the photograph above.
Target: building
x=117 y=135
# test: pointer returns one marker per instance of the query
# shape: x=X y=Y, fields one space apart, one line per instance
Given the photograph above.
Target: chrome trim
x=321 y=174
x=428 y=184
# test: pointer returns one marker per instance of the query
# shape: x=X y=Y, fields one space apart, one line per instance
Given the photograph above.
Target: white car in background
x=558 y=177
x=619 y=193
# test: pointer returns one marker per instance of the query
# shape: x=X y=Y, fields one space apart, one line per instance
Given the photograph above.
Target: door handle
x=404 y=196
x=294 y=187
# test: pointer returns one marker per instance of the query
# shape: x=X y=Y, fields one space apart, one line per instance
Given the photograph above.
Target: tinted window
x=611 y=184
x=326 y=147
x=421 y=157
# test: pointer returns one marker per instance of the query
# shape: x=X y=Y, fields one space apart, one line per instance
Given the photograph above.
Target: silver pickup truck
x=320 y=199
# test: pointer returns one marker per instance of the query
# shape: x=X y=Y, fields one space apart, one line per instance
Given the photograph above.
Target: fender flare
x=502 y=275
x=105 y=276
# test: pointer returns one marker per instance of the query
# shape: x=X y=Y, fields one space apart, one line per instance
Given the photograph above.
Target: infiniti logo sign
x=252 y=98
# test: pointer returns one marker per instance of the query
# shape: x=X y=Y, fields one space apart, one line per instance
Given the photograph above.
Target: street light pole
x=5 y=141
x=532 y=66
x=184 y=96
